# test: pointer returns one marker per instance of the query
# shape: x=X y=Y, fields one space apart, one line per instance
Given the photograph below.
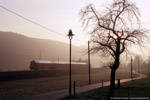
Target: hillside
x=16 y=51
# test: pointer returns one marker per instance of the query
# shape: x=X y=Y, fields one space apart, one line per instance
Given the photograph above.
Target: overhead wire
x=33 y=22
x=30 y=20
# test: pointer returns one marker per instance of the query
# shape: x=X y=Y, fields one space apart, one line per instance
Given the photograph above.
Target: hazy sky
x=58 y=15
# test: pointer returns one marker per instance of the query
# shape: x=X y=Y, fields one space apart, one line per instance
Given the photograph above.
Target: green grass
x=138 y=89
x=21 y=88
x=135 y=91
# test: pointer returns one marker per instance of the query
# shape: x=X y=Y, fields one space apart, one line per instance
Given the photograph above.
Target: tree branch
x=105 y=45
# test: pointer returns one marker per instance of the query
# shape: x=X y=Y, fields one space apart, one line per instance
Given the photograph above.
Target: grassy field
x=135 y=90
x=21 y=88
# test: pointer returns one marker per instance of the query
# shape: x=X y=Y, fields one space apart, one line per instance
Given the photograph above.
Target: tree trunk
x=113 y=72
x=112 y=80
x=116 y=64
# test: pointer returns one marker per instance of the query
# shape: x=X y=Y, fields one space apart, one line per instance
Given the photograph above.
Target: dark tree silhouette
x=113 y=30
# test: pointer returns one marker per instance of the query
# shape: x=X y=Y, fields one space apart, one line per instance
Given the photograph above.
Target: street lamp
x=70 y=35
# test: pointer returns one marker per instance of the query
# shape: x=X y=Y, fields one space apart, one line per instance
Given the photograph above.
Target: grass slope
x=21 y=88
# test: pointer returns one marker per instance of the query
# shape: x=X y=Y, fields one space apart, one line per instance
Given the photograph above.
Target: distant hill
x=16 y=51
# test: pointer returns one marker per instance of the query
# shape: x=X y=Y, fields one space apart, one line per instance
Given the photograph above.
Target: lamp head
x=70 y=35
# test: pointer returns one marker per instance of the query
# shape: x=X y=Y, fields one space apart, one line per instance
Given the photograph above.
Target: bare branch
x=105 y=45
x=114 y=29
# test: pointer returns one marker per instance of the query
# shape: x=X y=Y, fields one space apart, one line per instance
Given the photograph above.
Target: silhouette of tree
x=113 y=30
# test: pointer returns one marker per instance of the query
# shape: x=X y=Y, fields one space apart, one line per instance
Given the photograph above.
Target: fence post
x=118 y=83
x=128 y=92
x=102 y=83
x=74 y=88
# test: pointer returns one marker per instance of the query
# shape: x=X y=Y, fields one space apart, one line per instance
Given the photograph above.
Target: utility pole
x=131 y=69
x=89 y=62
x=148 y=67
x=138 y=66
x=58 y=59
x=135 y=67
x=40 y=55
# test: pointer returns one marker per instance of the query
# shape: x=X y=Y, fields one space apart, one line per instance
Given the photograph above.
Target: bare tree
x=113 y=30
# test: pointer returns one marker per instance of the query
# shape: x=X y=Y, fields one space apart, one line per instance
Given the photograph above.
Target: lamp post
x=70 y=35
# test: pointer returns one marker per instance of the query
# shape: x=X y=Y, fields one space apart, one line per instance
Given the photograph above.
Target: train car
x=46 y=65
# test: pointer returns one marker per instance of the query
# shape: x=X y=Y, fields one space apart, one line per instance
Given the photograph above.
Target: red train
x=39 y=64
